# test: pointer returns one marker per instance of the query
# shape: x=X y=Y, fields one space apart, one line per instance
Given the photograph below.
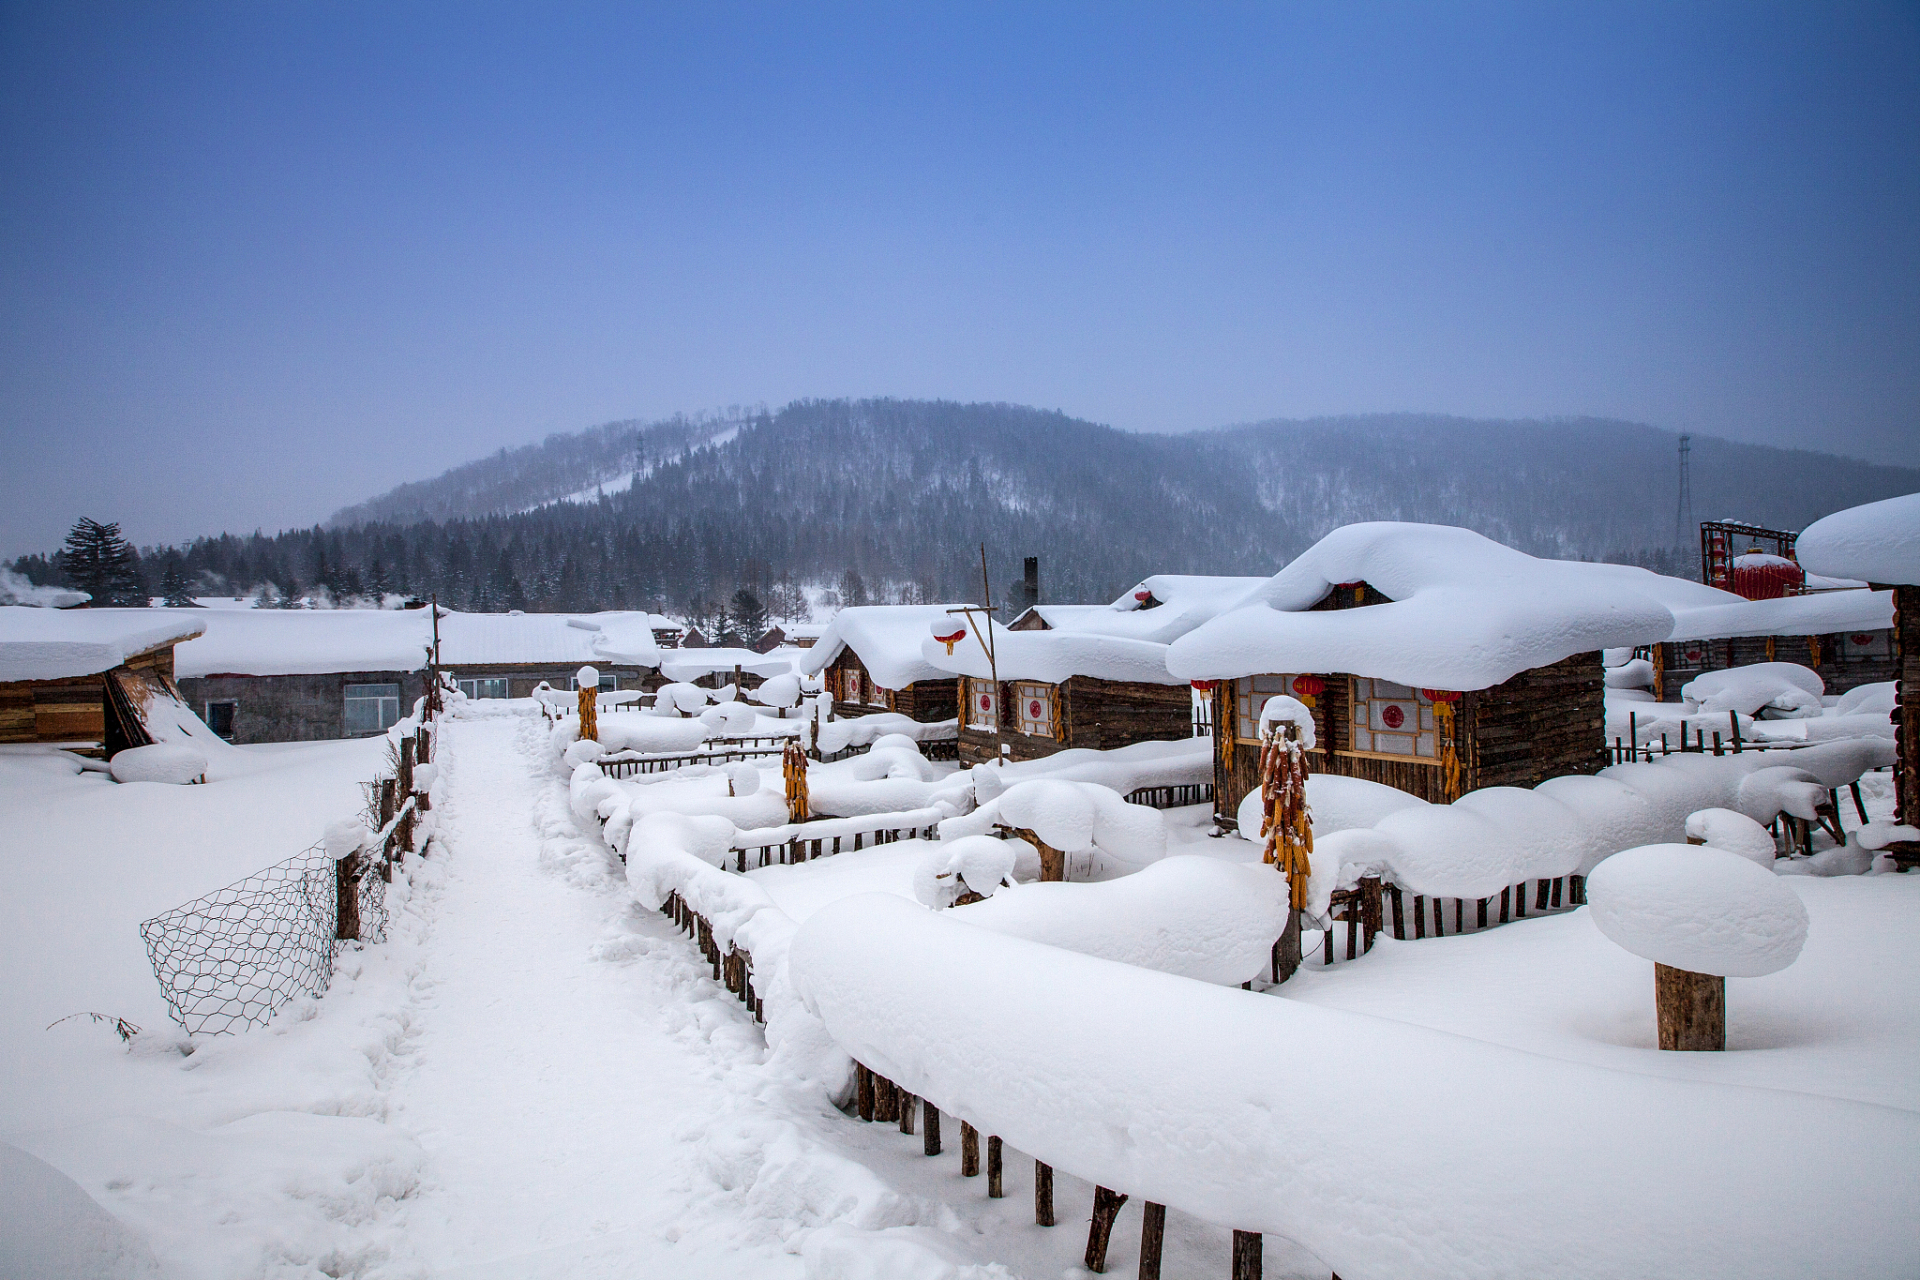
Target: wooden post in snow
x=1246 y=1255
x=1042 y=1193
x=1106 y=1207
x=1692 y=1009
x=969 y=1151
x=1153 y=1235
x=589 y=681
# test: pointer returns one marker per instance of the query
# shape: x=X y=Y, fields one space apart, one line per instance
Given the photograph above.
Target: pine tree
x=103 y=564
x=748 y=616
x=174 y=586
x=853 y=588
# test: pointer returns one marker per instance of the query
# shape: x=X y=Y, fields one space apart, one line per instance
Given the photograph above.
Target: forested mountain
x=891 y=499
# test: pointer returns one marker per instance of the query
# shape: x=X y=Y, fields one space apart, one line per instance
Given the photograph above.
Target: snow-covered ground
x=536 y=1077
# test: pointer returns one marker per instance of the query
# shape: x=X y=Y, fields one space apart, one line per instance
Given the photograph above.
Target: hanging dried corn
x=793 y=769
x=1285 y=821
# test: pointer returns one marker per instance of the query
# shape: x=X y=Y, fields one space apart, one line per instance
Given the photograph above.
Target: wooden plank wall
x=1544 y=723
x=1097 y=714
x=1839 y=673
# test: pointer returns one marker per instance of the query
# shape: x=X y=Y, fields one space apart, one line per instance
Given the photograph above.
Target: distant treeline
x=892 y=500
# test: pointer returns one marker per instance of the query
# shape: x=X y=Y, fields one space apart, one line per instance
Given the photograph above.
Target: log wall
x=1095 y=714
x=301 y=708
x=1842 y=663
x=927 y=701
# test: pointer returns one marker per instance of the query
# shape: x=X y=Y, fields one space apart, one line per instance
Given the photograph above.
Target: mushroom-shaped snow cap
x=1734 y=832
x=587 y=678
x=1698 y=908
x=743 y=778
x=158 y=762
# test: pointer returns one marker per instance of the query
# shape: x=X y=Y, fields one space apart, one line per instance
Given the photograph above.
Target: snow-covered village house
x=1056 y=690
x=1434 y=660
x=868 y=659
x=1845 y=636
x=1879 y=543
x=95 y=680
x=271 y=675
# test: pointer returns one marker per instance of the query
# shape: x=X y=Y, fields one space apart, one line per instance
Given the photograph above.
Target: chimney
x=1030 y=589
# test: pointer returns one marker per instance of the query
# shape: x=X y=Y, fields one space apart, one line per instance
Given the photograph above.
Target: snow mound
x=1734 y=832
x=1637 y=674
x=730 y=719
x=158 y=762
x=1072 y=817
x=1336 y=803
x=743 y=779
x=980 y=864
x=690 y=698
x=1779 y=686
x=51 y=1229
x=1283 y=709
x=1197 y=917
x=1877 y=542
x=1698 y=908
x=702 y=836
x=863 y=731
x=586 y=751
x=780 y=691
x=1866 y=700
x=650 y=733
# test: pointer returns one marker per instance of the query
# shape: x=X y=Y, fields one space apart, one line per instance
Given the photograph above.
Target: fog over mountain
x=891 y=499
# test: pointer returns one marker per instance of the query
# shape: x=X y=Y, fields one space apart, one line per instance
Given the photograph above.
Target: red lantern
x=1759 y=576
x=1143 y=595
x=1201 y=686
x=949 y=636
x=1309 y=686
x=1440 y=695
x=1862 y=640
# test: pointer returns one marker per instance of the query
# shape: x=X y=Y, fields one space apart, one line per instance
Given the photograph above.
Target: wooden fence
x=797 y=849
x=1174 y=796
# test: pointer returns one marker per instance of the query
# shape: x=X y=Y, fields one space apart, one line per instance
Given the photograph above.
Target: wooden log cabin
x=92 y=680
x=868 y=659
x=1061 y=690
x=1879 y=543
x=1846 y=636
x=1435 y=661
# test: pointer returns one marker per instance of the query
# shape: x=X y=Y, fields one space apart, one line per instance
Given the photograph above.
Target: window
x=372 y=708
x=876 y=696
x=850 y=684
x=493 y=687
x=1250 y=694
x=1035 y=705
x=1392 y=720
x=983 y=705
x=220 y=718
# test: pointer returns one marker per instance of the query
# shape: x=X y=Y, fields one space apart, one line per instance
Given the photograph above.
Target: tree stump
x=969 y=1151
x=346 y=892
x=1042 y=1194
x=1692 y=1008
x=1053 y=862
x=1286 y=952
x=996 y=1187
x=1153 y=1235
x=1106 y=1207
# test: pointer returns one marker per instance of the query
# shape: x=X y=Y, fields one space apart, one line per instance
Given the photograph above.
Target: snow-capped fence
x=229 y=960
x=823 y=837
x=1172 y=797
x=625 y=764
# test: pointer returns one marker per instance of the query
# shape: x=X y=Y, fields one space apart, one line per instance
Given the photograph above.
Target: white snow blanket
x=51 y=1229
x=159 y=762
x=1054 y=657
x=1822 y=613
x=1176 y=762
x=1877 y=542
x=886 y=639
x=1786 y=688
x=862 y=731
x=53 y=644
x=1698 y=908
x=641 y=733
x=1465 y=612
x=691 y=664
x=279 y=642
x=1074 y=817
x=1493 y=838
x=1734 y=832
x=1197 y=917
x=1182 y=601
x=1268 y=1115
x=1336 y=804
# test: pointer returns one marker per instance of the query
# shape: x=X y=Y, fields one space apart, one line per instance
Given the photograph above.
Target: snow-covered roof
x=475 y=639
x=691 y=664
x=287 y=642
x=1878 y=542
x=1184 y=601
x=885 y=637
x=1051 y=656
x=1465 y=612
x=54 y=644
x=1814 y=615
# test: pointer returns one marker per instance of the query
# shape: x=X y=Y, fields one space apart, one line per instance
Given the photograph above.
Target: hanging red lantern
x=1201 y=686
x=1309 y=686
x=1440 y=695
x=948 y=633
x=1143 y=595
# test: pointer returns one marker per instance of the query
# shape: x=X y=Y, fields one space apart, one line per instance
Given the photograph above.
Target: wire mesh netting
x=231 y=959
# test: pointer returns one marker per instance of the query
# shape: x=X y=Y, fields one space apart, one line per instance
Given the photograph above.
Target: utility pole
x=1683 y=510
x=978 y=617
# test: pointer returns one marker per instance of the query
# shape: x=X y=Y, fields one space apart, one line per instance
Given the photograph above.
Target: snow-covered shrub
x=1698 y=908
x=159 y=762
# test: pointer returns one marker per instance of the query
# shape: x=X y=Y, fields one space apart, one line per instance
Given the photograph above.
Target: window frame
x=381 y=702
x=1362 y=693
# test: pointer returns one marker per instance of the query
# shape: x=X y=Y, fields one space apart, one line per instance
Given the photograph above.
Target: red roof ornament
x=1757 y=575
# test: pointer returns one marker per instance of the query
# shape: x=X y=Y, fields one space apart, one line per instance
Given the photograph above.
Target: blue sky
x=258 y=261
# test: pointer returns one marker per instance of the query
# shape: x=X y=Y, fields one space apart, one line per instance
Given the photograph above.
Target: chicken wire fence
x=229 y=960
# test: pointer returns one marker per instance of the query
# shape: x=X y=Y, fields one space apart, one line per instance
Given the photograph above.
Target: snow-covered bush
x=1698 y=908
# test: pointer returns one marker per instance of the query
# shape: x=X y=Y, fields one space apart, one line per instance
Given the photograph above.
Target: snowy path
x=552 y=1091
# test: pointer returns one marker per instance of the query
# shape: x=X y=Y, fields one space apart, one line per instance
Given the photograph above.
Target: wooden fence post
x=404 y=786
x=886 y=1100
x=930 y=1139
x=863 y=1090
x=908 y=1104
x=346 y=892
x=387 y=807
x=1246 y=1255
x=969 y=1151
x=1106 y=1207
x=995 y=1188
x=1042 y=1193
x=1692 y=1009
x=1153 y=1234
